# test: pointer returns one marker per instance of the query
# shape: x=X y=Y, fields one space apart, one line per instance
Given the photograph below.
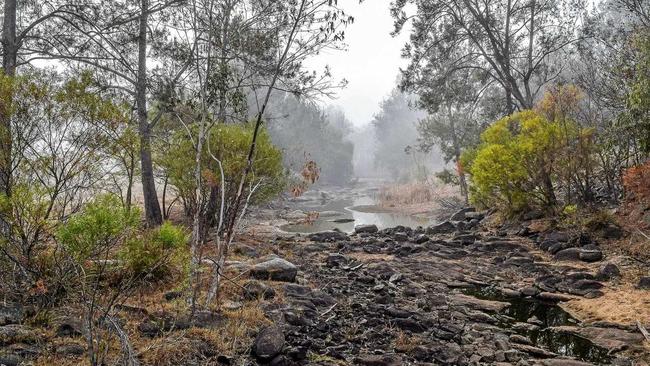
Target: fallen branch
x=329 y=310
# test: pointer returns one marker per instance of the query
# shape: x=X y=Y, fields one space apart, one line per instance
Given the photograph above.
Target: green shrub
x=157 y=252
x=102 y=225
x=230 y=144
x=514 y=166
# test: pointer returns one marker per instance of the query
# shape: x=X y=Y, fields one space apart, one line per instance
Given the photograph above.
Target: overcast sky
x=371 y=63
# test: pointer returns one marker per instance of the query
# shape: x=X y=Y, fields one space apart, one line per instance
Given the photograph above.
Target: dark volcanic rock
x=591 y=256
x=268 y=343
x=442 y=228
x=328 y=236
x=276 y=269
x=461 y=214
x=369 y=229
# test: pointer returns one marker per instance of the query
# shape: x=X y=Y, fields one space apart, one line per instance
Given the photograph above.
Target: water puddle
x=549 y=315
x=345 y=214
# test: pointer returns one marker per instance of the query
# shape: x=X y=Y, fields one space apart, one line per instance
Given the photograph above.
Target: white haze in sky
x=370 y=64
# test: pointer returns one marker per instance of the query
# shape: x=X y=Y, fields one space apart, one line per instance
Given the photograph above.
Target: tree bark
x=9 y=58
x=151 y=204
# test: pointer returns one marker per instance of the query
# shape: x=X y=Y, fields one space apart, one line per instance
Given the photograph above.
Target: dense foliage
x=226 y=147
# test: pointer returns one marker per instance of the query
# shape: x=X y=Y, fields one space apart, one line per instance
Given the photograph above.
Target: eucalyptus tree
x=515 y=43
x=22 y=23
x=120 y=41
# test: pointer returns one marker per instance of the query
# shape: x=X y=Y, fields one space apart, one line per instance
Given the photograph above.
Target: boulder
x=569 y=254
x=369 y=229
x=460 y=215
x=17 y=333
x=268 y=343
x=276 y=269
x=591 y=256
x=442 y=228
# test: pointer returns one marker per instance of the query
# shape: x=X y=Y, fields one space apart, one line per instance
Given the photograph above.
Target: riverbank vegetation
x=543 y=108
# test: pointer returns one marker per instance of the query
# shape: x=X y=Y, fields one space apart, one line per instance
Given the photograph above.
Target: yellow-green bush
x=157 y=252
x=514 y=166
x=230 y=144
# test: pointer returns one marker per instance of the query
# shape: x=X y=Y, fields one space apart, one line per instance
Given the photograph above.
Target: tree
x=509 y=42
x=117 y=40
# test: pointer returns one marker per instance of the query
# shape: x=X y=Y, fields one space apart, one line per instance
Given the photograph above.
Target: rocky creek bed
x=455 y=293
x=451 y=294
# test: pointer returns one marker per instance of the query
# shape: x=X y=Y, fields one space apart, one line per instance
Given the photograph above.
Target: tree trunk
x=9 y=58
x=151 y=205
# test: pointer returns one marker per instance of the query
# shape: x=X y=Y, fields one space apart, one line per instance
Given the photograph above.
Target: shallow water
x=551 y=315
x=346 y=208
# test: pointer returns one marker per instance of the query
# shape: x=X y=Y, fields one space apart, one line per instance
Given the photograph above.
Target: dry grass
x=406 y=343
x=414 y=193
x=622 y=305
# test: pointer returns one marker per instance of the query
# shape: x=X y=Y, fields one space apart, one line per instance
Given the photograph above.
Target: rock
x=644 y=283
x=10 y=360
x=328 y=236
x=570 y=254
x=532 y=350
x=533 y=215
x=70 y=349
x=479 y=304
x=466 y=239
x=591 y=256
x=529 y=291
x=400 y=237
x=336 y=260
x=245 y=250
x=369 y=229
x=612 y=231
x=10 y=313
x=564 y=362
x=516 y=338
x=550 y=296
x=268 y=343
x=276 y=269
x=254 y=290
x=474 y=216
x=460 y=215
x=557 y=236
x=173 y=295
x=69 y=327
x=608 y=271
x=442 y=228
x=421 y=239
x=378 y=360
x=17 y=333
x=612 y=339
x=587 y=285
